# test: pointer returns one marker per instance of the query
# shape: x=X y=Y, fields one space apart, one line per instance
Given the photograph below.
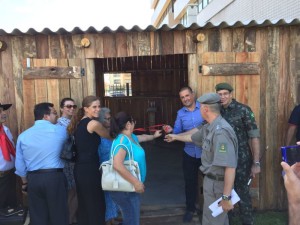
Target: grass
x=267 y=218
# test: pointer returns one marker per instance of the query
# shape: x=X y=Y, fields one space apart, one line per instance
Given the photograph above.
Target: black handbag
x=68 y=151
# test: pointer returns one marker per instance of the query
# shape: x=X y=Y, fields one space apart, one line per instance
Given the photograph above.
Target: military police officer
x=242 y=119
x=219 y=157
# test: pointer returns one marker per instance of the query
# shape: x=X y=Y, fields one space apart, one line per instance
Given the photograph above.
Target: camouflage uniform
x=241 y=118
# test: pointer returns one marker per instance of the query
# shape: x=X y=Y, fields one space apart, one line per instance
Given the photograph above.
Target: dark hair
x=62 y=102
x=42 y=109
x=86 y=102
x=118 y=123
x=186 y=88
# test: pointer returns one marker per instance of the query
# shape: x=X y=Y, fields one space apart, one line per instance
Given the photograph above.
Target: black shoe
x=188 y=217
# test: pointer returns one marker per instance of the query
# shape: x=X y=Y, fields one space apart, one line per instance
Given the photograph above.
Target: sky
x=55 y=14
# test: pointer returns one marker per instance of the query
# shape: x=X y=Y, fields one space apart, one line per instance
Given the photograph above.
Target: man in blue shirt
x=39 y=164
x=188 y=118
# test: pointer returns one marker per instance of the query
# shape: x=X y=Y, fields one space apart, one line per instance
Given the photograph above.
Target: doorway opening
x=147 y=88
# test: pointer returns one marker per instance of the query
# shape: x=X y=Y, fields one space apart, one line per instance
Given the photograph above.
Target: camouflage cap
x=209 y=98
x=224 y=86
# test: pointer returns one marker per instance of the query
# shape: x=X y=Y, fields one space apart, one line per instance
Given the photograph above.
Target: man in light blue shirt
x=188 y=118
x=41 y=169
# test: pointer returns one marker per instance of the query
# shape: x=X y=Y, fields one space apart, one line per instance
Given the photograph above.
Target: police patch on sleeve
x=222 y=147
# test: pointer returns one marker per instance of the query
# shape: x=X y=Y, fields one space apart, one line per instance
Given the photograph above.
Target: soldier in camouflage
x=242 y=119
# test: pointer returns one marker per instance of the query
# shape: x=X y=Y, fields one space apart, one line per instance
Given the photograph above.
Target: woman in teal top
x=121 y=128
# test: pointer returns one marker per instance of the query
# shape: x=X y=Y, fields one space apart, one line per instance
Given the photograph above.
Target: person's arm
x=290 y=134
x=178 y=128
x=20 y=165
x=121 y=169
x=149 y=137
x=229 y=177
x=189 y=132
x=255 y=148
x=292 y=185
x=178 y=137
x=96 y=126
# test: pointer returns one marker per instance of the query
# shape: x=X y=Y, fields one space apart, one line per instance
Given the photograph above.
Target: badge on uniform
x=222 y=147
x=252 y=115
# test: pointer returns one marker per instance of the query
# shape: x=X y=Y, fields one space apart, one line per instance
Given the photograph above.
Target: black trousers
x=8 y=190
x=91 y=202
x=47 y=198
x=190 y=167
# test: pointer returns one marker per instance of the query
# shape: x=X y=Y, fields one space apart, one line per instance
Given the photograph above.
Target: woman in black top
x=86 y=129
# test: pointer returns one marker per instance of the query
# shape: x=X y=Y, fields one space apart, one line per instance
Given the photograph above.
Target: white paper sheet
x=217 y=210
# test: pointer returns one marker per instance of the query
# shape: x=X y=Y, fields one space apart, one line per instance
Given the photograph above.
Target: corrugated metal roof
x=194 y=26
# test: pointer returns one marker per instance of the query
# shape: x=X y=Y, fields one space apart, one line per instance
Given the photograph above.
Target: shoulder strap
x=130 y=152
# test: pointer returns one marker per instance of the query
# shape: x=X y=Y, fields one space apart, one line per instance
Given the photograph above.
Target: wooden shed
x=260 y=60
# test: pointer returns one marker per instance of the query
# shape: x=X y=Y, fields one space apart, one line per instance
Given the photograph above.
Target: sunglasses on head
x=71 y=106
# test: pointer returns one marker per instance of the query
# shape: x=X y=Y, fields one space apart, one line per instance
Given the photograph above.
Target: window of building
x=117 y=84
x=202 y=4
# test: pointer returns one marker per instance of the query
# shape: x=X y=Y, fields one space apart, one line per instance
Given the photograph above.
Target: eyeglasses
x=71 y=106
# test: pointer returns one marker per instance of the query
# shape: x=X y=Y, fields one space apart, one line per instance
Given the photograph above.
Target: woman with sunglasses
x=68 y=109
x=121 y=128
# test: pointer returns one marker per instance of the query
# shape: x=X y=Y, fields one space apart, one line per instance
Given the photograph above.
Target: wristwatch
x=257 y=163
x=226 y=197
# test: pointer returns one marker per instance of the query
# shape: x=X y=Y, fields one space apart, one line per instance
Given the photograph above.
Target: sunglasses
x=71 y=106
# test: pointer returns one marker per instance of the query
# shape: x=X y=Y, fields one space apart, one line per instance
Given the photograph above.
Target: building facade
x=187 y=12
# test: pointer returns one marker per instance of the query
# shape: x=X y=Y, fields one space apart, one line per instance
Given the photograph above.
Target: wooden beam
x=52 y=72
x=230 y=69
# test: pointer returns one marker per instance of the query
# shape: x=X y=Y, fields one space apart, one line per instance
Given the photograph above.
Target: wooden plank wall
x=49 y=90
x=272 y=94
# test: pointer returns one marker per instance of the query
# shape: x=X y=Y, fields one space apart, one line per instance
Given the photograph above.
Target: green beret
x=209 y=98
x=224 y=86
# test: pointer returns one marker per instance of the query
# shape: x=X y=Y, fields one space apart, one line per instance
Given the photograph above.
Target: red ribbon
x=6 y=145
x=151 y=128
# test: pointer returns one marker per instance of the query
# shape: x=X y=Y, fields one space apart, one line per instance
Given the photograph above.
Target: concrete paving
x=164 y=181
x=163 y=202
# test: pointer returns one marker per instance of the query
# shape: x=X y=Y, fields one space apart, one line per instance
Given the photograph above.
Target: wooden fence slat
x=53 y=92
x=109 y=45
x=41 y=94
x=167 y=42
x=179 y=41
x=226 y=40
x=144 y=45
x=121 y=39
x=29 y=101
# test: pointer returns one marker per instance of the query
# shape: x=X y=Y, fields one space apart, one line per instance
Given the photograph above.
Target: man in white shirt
x=7 y=163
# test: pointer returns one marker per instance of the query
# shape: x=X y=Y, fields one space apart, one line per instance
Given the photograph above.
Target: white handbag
x=111 y=179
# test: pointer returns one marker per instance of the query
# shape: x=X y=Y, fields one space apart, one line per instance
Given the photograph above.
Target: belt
x=45 y=171
x=6 y=172
x=215 y=177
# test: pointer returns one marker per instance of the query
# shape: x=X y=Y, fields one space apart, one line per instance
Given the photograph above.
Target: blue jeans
x=130 y=204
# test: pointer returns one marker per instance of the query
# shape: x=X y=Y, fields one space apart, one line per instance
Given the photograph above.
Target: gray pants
x=212 y=190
